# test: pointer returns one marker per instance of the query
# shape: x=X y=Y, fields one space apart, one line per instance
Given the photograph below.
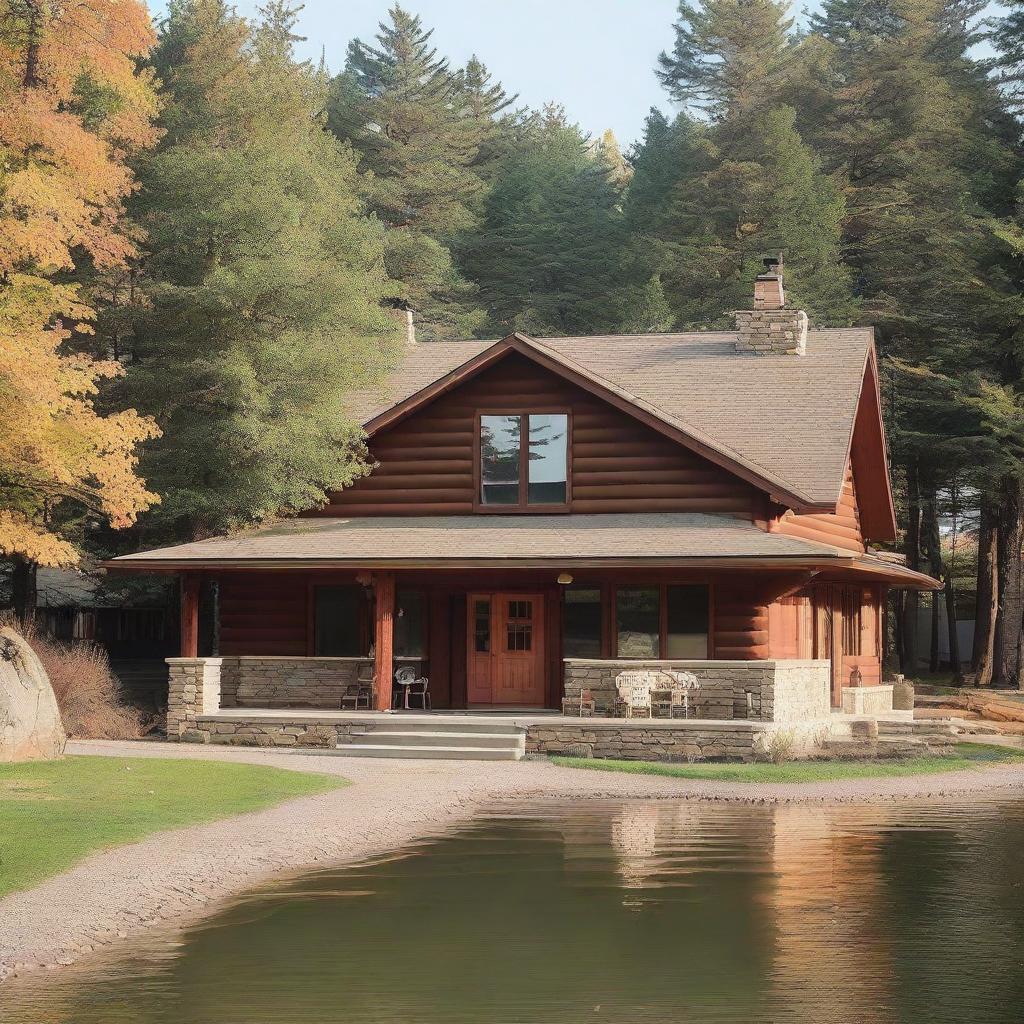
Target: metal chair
x=583 y=706
x=412 y=686
x=357 y=696
x=419 y=688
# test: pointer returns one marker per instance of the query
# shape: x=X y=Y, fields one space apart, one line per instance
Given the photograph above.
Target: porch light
x=565 y=578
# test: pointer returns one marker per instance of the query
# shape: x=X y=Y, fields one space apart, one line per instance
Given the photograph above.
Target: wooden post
x=384 y=640
x=189 y=616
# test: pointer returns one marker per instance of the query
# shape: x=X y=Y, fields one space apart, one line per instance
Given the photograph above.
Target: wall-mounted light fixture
x=565 y=578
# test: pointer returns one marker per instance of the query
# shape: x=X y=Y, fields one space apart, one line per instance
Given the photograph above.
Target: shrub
x=90 y=696
x=779 y=746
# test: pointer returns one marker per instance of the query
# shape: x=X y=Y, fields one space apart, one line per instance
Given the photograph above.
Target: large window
x=410 y=624
x=524 y=460
x=337 y=632
x=656 y=622
x=686 y=634
x=638 y=622
x=581 y=623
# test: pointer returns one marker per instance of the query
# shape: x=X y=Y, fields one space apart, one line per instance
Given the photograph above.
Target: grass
x=968 y=755
x=54 y=813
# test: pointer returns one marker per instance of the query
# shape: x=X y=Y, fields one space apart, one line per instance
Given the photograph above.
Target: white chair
x=638 y=702
x=406 y=678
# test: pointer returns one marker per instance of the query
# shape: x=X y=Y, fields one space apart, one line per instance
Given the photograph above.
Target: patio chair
x=418 y=689
x=583 y=706
x=357 y=696
x=638 y=702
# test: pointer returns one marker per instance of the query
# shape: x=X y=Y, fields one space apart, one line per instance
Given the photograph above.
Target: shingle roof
x=467 y=540
x=789 y=418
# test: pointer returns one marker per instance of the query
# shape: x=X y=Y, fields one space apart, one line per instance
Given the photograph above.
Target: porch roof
x=672 y=539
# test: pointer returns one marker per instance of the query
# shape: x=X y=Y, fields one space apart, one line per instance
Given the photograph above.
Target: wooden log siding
x=262 y=613
x=425 y=463
x=741 y=625
x=841 y=529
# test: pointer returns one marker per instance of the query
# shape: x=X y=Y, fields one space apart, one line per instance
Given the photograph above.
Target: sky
x=596 y=57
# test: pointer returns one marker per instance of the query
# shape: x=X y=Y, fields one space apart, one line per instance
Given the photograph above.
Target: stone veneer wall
x=765 y=332
x=644 y=740
x=282 y=682
x=779 y=691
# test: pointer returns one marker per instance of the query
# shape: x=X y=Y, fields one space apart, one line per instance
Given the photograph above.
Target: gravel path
x=180 y=875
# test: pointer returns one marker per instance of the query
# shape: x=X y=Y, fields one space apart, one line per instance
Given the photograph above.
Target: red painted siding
x=841 y=528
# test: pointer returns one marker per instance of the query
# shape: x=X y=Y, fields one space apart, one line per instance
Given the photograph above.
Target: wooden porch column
x=190 y=616
x=384 y=640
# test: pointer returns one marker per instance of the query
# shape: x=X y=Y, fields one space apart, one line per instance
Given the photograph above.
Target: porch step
x=484 y=741
x=437 y=738
x=439 y=753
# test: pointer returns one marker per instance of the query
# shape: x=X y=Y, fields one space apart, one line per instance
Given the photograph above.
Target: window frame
x=523 y=506
x=611 y=616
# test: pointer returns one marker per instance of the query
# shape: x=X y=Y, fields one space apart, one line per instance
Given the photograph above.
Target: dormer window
x=523 y=460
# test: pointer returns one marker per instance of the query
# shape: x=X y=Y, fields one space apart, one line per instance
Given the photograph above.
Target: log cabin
x=541 y=513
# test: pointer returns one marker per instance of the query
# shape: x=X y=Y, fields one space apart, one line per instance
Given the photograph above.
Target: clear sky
x=596 y=57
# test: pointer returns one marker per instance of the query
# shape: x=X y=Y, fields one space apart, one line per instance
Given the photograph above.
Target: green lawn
x=54 y=813
x=968 y=755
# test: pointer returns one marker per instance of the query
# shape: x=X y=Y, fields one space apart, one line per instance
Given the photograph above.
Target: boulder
x=30 y=723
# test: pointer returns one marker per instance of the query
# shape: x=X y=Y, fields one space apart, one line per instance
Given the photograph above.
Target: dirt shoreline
x=173 y=878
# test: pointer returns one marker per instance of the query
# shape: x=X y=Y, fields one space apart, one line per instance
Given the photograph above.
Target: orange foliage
x=73 y=107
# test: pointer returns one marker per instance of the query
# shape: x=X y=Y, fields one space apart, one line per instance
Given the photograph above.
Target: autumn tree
x=74 y=107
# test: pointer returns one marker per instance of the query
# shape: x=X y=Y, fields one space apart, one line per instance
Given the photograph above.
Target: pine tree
x=404 y=110
x=752 y=186
x=545 y=256
x=898 y=106
x=1009 y=42
x=265 y=279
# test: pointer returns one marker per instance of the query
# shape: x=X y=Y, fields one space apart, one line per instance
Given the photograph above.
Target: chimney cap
x=772 y=267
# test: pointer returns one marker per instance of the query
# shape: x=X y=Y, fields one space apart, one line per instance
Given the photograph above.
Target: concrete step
x=437 y=738
x=449 y=753
x=441 y=723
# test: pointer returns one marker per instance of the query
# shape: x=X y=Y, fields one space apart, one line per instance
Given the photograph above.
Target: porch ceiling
x=674 y=539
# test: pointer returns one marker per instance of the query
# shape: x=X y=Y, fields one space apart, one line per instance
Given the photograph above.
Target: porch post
x=189 y=616
x=384 y=639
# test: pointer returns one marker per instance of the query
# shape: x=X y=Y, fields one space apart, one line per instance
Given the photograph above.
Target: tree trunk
x=30 y=76
x=1010 y=612
x=954 y=637
x=24 y=595
x=912 y=547
x=933 y=542
x=988 y=595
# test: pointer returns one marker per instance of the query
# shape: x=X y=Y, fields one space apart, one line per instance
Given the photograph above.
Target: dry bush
x=90 y=696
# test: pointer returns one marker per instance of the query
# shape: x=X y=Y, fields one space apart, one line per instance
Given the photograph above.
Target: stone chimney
x=770 y=329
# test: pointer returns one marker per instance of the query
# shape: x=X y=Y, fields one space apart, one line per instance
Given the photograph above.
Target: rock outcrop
x=30 y=723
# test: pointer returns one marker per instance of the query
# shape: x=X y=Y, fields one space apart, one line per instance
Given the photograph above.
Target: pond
x=601 y=912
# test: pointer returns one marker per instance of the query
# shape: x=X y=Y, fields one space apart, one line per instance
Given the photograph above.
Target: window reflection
x=499 y=459
x=549 y=433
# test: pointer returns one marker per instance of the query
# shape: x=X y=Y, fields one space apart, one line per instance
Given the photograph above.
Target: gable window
x=524 y=460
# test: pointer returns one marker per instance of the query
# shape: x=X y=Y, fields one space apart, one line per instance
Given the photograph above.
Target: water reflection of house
x=827 y=909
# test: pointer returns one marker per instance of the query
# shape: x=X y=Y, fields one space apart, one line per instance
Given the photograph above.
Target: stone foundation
x=657 y=740
x=766 y=691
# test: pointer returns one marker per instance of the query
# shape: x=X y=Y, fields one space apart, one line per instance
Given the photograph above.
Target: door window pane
x=687 y=615
x=499 y=459
x=638 y=620
x=581 y=623
x=548 y=464
x=409 y=623
x=336 y=629
x=482 y=626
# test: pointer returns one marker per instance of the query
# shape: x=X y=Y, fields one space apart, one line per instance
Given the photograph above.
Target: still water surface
x=606 y=912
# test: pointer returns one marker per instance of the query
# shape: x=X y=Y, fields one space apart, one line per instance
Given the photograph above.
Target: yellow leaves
x=63 y=181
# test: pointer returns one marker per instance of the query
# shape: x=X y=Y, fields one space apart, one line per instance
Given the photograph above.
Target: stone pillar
x=384 y=640
x=193 y=690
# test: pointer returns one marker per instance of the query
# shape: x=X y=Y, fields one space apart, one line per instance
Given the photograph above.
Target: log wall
x=618 y=464
x=841 y=528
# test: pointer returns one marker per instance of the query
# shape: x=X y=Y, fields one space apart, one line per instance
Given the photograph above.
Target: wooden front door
x=505 y=650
